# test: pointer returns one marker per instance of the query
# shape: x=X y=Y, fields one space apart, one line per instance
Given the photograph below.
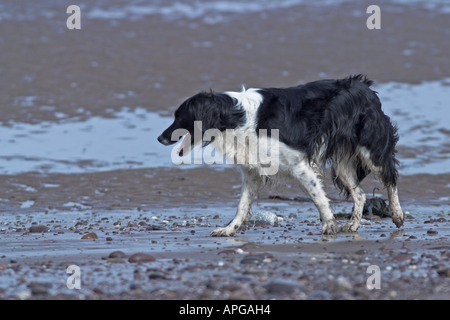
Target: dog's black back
x=331 y=118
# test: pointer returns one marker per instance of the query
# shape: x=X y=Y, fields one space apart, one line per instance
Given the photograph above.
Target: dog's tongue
x=186 y=139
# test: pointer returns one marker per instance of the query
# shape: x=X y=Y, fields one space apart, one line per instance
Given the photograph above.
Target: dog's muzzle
x=164 y=140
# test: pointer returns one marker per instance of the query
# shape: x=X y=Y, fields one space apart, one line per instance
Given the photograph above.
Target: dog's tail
x=357 y=120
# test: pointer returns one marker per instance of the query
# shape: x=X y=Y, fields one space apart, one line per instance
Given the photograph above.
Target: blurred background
x=80 y=110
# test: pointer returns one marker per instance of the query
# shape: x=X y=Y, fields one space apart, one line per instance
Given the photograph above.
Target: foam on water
x=209 y=12
x=128 y=141
x=196 y=9
x=214 y=11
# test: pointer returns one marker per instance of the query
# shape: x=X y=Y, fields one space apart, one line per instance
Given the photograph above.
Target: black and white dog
x=337 y=122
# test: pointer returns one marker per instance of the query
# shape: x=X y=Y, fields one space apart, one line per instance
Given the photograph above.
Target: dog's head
x=201 y=112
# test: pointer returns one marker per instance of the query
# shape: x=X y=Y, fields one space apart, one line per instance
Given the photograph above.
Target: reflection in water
x=128 y=141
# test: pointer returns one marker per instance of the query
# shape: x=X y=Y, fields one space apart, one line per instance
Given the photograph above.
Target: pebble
x=115 y=260
x=117 y=254
x=141 y=257
x=243 y=292
x=228 y=251
x=444 y=272
x=343 y=283
x=154 y=227
x=22 y=295
x=39 y=229
x=280 y=287
x=39 y=287
x=320 y=295
x=157 y=276
x=91 y=235
x=132 y=224
x=403 y=257
x=250 y=259
x=264 y=218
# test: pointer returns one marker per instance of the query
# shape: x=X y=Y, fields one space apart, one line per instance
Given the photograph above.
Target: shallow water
x=127 y=140
x=186 y=255
x=211 y=12
x=422 y=114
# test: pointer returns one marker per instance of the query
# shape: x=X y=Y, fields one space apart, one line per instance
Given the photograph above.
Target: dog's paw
x=329 y=227
x=351 y=226
x=223 y=232
x=398 y=218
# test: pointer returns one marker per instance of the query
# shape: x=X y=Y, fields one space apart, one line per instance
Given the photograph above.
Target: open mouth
x=187 y=145
x=186 y=142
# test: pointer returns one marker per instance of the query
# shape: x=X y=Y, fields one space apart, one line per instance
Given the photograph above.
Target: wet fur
x=336 y=121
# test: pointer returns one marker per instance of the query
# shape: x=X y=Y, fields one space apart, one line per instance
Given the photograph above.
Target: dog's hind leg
x=398 y=216
x=251 y=182
x=310 y=181
x=346 y=177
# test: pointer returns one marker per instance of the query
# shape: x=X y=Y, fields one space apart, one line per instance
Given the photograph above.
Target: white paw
x=329 y=227
x=223 y=232
x=398 y=218
x=351 y=226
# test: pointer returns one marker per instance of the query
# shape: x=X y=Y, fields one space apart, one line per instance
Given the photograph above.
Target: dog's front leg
x=250 y=187
x=308 y=178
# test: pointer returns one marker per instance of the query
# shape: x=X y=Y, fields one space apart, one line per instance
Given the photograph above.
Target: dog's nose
x=163 y=140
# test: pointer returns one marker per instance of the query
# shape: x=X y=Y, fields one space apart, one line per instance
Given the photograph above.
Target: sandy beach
x=83 y=181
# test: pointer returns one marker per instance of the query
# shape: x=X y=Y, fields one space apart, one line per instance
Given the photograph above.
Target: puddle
x=98 y=144
x=421 y=112
x=128 y=140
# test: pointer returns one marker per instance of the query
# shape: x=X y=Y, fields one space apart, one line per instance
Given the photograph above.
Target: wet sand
x=181 y=188
x=156 y=63
x=153 y=62
x=289 y=261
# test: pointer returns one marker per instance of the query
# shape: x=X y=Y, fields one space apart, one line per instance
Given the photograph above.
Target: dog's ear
x=224 y=113
x=203 y=107
x=211 y=116
x=216 y=111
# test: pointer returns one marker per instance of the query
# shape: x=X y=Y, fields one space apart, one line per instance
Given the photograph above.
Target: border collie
x=338 y=122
